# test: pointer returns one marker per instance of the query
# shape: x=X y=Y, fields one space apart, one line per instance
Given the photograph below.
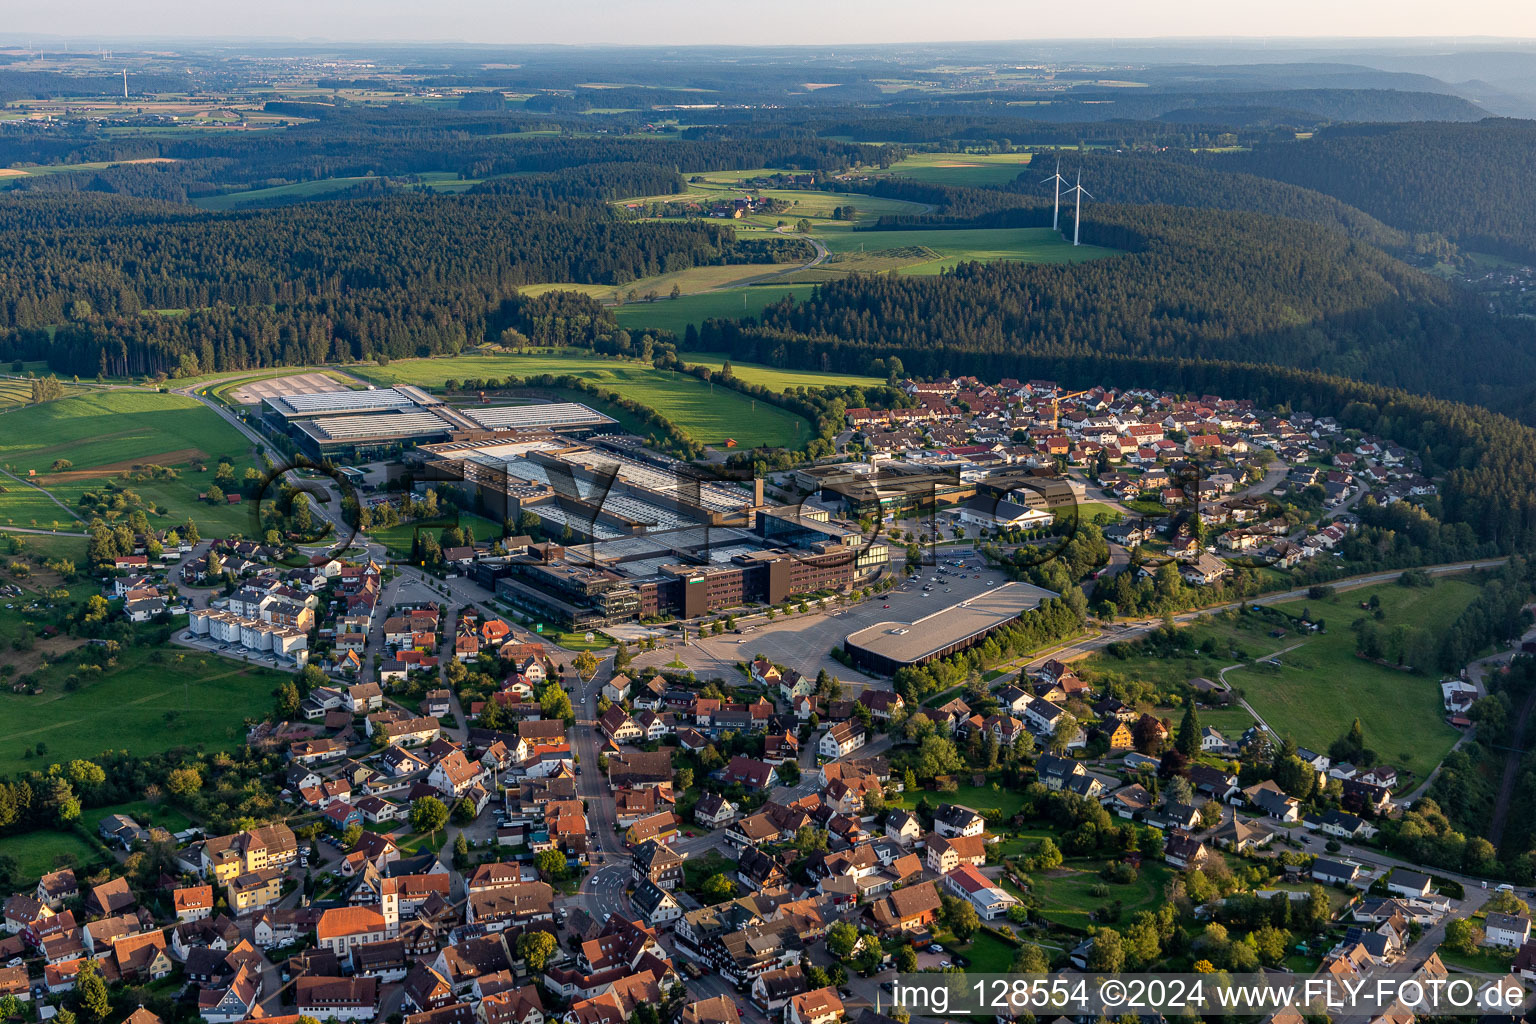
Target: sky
x=778 y=22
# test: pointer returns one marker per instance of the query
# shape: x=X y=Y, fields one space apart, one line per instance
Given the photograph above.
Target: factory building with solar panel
x=642 y=535
x=380 y=422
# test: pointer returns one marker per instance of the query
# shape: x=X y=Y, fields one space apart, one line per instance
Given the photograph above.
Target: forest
x=1470 y=182
x=1198 y=284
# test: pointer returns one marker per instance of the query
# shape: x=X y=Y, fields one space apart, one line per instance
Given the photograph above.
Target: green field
x=969 y=169
x=142 y=705
x=676 y=314
x=1322 y=686
x=708 y=413
x=16 y=391
x=692 y=281
x=299 y=190
x=37 y=853
x=955 y=245
x=104 y=434
x=775 y=378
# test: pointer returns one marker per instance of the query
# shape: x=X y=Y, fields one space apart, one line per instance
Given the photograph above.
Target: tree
x=551 y=865
x=717 y=889
x=1187 y=742
x=1107 y=956
x=184 y=782
x=961 y=917
x=1463 y=936
x=842 y=939
x=585 y=664
x=535 y=948
x=428 y=814
x=684 y=780
x=351 y=836
x=1143 y=944
x=906 y=960
x=1030 y=959
x=92 y=992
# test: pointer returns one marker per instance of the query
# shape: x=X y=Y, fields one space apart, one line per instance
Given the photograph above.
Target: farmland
x=105 y=434
x=709 y=414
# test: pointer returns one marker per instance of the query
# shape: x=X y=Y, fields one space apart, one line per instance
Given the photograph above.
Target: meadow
x=299 y=190
x=708 y=413
x=676 y=314
x=1321 y=686
x=775 y=378
x=37 y=853
x=967 y=169
x=104 y=434
x=689 y=282
x=16 y=392
x=154 y=699
x=954 y=245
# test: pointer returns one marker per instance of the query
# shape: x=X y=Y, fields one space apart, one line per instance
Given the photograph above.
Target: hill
x=1198 y=284
x=1472 y=183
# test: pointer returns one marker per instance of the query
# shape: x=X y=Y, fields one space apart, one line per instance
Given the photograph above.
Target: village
x=486 y=823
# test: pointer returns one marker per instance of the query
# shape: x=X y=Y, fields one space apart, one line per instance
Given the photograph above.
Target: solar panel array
x=712 y=496
x=362 y=428
x=549 y=416
x=325 y=403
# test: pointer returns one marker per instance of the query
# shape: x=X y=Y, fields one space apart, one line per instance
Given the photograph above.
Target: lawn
x=398 y=538
x=103 y=434
x=979 y=798
x=676 y=314
x=142 y=705
x=1321 y=686
x=1066 y=894
x=37 y=853
x=989 y=955
x=708 y=413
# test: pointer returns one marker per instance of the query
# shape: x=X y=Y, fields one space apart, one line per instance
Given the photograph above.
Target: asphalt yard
x=804 y=642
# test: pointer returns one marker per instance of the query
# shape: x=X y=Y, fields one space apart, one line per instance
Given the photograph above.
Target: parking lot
x=805 y=641
x=227 y=650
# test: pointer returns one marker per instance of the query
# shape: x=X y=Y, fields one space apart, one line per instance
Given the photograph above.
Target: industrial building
x=887 y=646
x=685 y=573
x=379 y=421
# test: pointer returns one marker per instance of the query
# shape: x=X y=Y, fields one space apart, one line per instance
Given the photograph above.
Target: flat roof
x=914 y=641
x=546 y=416
x=382 y=426
x=340 y=401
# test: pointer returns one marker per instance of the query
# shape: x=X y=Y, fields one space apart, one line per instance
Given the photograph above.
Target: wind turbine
x=1078 y=191
x=1059 y=180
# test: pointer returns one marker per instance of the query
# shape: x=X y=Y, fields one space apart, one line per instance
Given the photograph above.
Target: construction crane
x=1056 y=401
